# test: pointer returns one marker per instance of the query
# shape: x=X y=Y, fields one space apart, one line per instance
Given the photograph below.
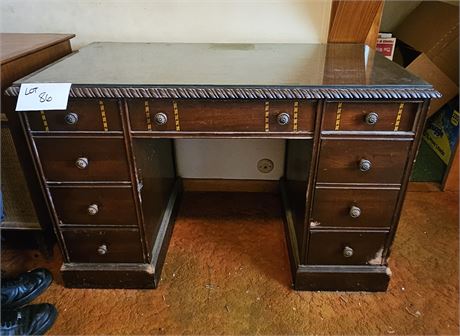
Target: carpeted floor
x=227 y=272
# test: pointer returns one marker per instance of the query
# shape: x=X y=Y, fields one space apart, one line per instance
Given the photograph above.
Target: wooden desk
x=351 y=120
x=20 y=55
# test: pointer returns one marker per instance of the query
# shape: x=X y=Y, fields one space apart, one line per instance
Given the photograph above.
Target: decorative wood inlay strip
x=45 y=122
x=176 y=115
x=247 y=93
x=296 y=112
x=398 y=117
x=147 y=115
x=339 y=114
x=104 y=117
x=267 y=116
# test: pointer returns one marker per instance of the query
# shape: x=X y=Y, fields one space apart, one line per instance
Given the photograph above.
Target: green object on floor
x=428 y=167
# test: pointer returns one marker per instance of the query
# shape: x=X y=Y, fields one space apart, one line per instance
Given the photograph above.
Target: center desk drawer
x=83 y=159
x=103 y=246
x=81 y=115
x=353 y=207
x=208 y=115
x=94 y=205
x=362 y=161
x=346 y=248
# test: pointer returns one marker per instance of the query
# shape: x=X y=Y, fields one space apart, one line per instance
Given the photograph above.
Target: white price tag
x=43 y=96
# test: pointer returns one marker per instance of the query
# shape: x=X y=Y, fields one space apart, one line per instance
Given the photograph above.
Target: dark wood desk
x=20 y=55
x=351 y=119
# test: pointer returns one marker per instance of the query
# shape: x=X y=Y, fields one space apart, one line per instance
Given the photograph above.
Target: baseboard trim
x=227 y=185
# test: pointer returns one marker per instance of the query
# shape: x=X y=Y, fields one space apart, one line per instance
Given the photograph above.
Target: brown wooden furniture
x=351 y=120
x=20 y=55
x=355 y=21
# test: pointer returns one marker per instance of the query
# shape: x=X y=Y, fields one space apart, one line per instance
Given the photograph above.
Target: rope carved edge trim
x=247 y=93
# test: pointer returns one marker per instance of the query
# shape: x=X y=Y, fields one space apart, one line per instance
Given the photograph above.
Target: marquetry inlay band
x=267 y=116
x=296 y=112
x=176 y=115
x=103 y=115
x=337 y=118
x=147 y=115
x=45 y=122
x=398 y=117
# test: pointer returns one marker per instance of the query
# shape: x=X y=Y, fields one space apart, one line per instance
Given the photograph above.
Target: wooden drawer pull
x=348 y=252
x=71 y=118
x=102 y=249
x=355 y=212
x=160 y=118
x=81 y=163
x=93 y=209
x=372 y=118
x=283 y=118
x=364 y=165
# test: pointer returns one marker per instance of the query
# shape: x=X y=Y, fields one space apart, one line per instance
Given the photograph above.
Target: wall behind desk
x=242 y=21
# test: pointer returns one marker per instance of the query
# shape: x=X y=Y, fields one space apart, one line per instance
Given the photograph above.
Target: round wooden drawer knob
x=81 y=163
x=364 y=165
x=102 y=249
x=283 y=118
x=348 y=252
x=372 y=118
x=160 y=118
x=355 y=212
x=71 y=118
x=93 y=209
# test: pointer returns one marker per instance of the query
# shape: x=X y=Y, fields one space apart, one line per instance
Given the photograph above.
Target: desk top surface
x=226 y=70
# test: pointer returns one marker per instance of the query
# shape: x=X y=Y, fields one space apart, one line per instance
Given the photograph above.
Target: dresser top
x=16 y=45
x=182 y=70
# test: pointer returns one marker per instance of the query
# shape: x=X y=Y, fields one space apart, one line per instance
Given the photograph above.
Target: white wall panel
x=229 y=158
x=171 y=20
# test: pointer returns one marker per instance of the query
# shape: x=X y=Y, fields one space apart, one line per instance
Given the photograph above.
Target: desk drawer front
x=81 y=115
x=103 y=246
x=369 y=116
x=346 y=248
x=222 y=115
x=359 y=161
x=353 y=207
x=83 y=159
x=95 y=205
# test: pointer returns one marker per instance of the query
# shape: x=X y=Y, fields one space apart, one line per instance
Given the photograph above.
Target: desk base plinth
x=342 y=278
x=132 y=276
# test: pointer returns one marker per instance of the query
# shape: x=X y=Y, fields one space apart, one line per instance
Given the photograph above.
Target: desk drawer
x=353 y=207
x=103 y=246
x=346 y=248
x=94 y=205
x=346 y=161
x=83 y=159
x=222 y=115
x=369 y=116
x=81 y=115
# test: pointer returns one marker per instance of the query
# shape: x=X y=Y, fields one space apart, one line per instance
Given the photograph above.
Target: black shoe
x=34 y=319
x=22 y=290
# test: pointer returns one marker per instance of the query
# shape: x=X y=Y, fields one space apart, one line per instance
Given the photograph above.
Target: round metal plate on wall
x=265 y=166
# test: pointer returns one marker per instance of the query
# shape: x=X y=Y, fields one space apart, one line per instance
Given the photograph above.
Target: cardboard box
x=441 y=133
x=386 y=45
x=428 y=47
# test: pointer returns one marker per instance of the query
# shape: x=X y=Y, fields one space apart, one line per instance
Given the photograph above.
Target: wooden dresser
x=351 y=120
x=20 y=55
